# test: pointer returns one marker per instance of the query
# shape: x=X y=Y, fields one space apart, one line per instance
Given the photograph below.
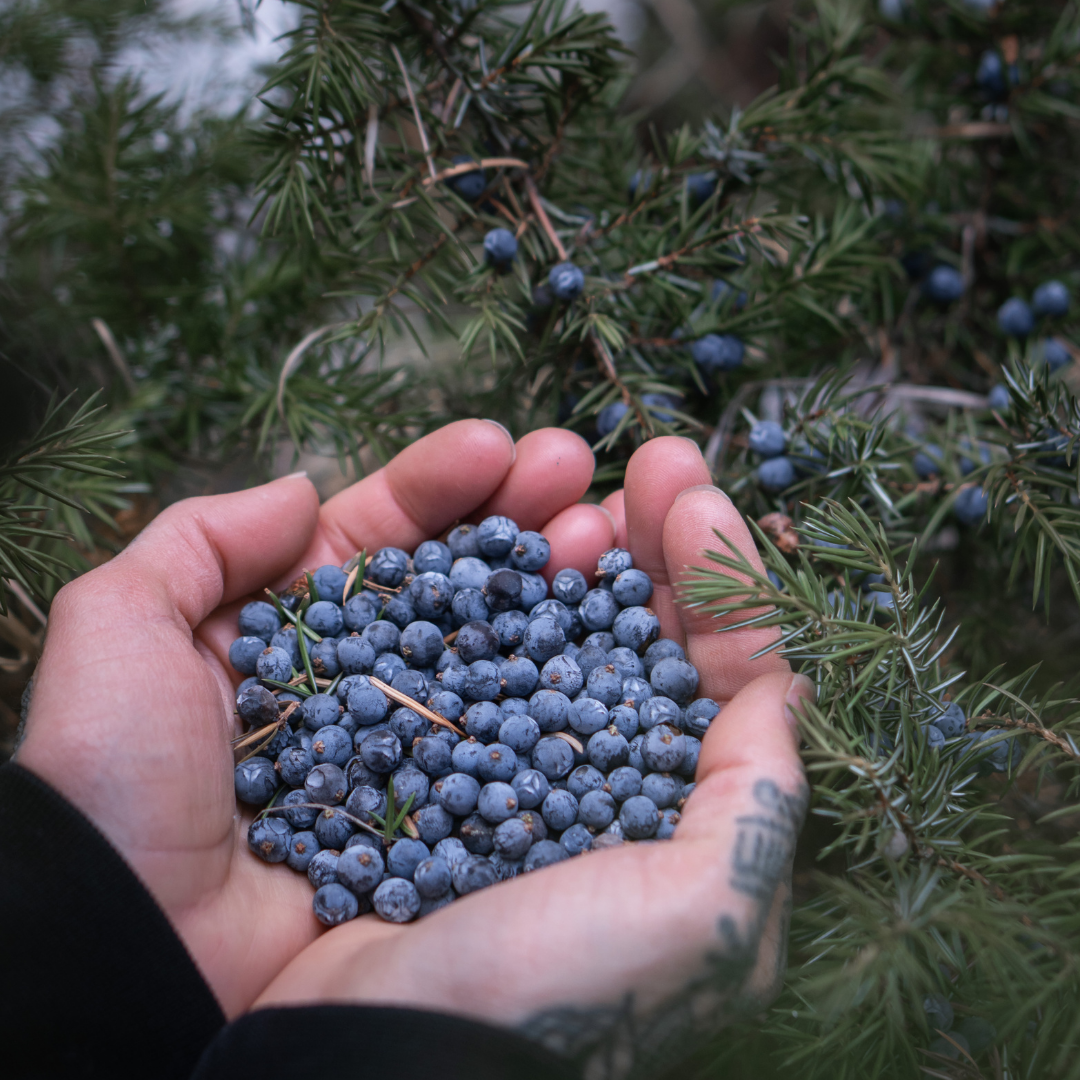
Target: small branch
x=115 y=355
x=541 y=216
x=416 y=111
x=27 y=602
x=448 y=108
x=472 y=166
x=412 y=703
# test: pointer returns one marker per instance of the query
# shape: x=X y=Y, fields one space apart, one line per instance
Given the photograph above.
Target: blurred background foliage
x=201 y=287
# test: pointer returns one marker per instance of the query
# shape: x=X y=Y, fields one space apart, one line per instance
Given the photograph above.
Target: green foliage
x=307 y=274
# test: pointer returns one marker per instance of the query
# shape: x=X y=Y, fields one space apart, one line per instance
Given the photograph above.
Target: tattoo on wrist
x=616 y=1040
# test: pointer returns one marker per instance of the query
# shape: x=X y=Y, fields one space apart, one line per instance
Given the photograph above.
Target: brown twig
x=412 y=703
x=416 y=111
x=541 y=216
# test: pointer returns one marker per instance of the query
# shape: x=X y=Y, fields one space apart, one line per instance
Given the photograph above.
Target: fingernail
x=801 y=689
x=295 y=475
x=692 y=442
x=509 y=437
x=703 y=487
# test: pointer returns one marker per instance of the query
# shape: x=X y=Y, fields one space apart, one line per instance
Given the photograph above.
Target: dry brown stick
x=451 y=637
x=416 y=111
x=541 y=216
x=412 y=703
x=567 y=737
x=472 y=166
x=254 y=736
x=448 y=108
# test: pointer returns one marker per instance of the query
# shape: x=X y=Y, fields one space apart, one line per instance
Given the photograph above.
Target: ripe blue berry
x=576 y=839
x=1015 y=318
x=608 y=749
x=636 y=628
x=663 y=748
x=1055 y=354
x=566 y=281
x=543 y=639
x=934 y=738
x=520 y=733
x=530 y=552
x=944 y=285
x=360 y=868
x=496 y=536
x=598 y=610
x=331 y=744
x=396 y=900
x=583 y=780
x=1050 y=300
x=322 y=870
x=359 y=611
x=662 y=788
x=500 y=247
x=255 y=781
x=463 y=542
x=299 y=817
x=409 y=780
x=553 y=757
x=544 y=853
x=767 y=439
x=334 y=904
x=697 y=717
x=433 y=823
x=588 y=715
x=383 y=636
x=597 y=810
x=457 y=793
x=431 y=595
x=635 y=692
x=624 y=720
x=259 y=619
x=559 y=809
x=951 y=721
x=497 y=762
x=928 y=461
x=404 y=857
x=990 y=75
x=319 y=711
x=603 y=640
x=700 y=186
x=626 y=662
x=275 y=664
x=497 y=802
x=469 y=185
x=971 y=505
x=433 y=755
x=325 y=618
x=625 y=782
x=776 y=474
x=476 y=834
x=269 y=839
x=563 y=674
x=531 y=787
x=330 y=583
x=512 y=838
x=660 y=650
x=333 y=828
x=605 y=685
x=286 y=639
x=669 y=819
x=244 y=654
x=387 y=567
x=609 y=418
x=256 y=705
x=355 y=656
x=303 y=847
x=483 y=681
x=381 y=751
x=632 y=588
x=675 y=679
x=472 y=874
x=639 y=818
x=363 y=801
x=293 y=765
x=717 y=352
x=502 y=590
x=432 y=877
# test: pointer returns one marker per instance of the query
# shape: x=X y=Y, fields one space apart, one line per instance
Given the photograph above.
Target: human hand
x=132 y=714
x=616 y=954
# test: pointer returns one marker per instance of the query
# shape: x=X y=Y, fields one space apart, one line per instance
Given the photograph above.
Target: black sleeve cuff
x=96 y=981
x=346 y=1040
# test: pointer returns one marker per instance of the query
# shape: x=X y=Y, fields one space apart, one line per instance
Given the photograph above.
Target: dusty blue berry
x=944 y=285
x=639 y=817
x=1051 y=300
x=255 y=781
x=531 y=787
x=259 y=619
x=544 y=853
x=360 y=869
x=1015 y=318
x=567 y=281
x=569 y=586
x=334 y=904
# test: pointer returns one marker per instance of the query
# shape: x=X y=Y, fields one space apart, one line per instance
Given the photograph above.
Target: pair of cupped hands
x=132 y=718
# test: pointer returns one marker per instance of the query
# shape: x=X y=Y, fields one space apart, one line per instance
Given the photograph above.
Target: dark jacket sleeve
x=96 y=982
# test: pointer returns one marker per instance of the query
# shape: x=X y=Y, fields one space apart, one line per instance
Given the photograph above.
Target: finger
x=723 y=659
x=578 y=535
x=656 y=473
x=753 y=739
x=615 y=504
x=194 y=556
x=554 y=468
x=426 y=488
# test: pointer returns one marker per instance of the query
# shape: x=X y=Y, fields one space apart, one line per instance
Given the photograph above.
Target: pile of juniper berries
x=445 y=721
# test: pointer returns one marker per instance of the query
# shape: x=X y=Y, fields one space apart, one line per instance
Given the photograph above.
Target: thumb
x=206 y=551
x=750 y=758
